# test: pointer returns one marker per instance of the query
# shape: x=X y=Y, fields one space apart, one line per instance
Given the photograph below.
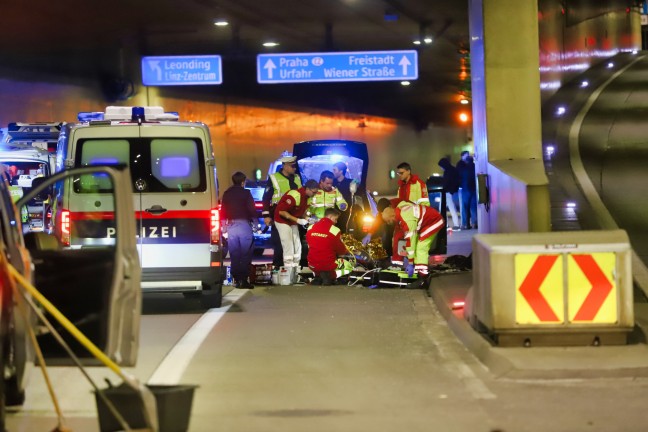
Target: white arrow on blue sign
x=339 y=66
x=181 y=70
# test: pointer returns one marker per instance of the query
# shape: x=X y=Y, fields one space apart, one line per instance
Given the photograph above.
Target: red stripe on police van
x=170 y=214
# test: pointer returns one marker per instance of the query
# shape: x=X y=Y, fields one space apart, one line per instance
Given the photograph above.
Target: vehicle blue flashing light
x=90 y=116
x=137 y=114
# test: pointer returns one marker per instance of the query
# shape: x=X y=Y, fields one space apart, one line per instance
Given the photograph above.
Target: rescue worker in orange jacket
x=419 y=225
x=324 y=246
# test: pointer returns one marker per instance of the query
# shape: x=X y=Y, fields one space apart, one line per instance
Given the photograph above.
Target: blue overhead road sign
x=338 y=66
x=181 y=70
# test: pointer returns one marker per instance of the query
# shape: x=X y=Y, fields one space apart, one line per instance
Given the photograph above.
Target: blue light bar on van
x=137 y=114
x=90 y=116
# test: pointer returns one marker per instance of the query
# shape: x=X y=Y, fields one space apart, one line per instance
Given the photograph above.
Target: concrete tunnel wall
x=245 y=136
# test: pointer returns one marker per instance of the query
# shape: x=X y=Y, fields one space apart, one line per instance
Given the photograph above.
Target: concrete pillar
x=506 y=115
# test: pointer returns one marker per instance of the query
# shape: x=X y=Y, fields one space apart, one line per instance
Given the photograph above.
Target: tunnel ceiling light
x=270 y=44
x=464 y=102
x=571 y=205
x=416 y=42
x=221 y=22
x=561 y=110
x=610 y=65
x=405 y=83
x=584 y=84
x=427 y=40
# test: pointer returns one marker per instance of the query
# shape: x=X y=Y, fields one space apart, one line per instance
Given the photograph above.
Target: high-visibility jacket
x=323 y=200
x=414 y=190
x=416 y=219
x=294 y=202
x=324 y=245
x=278 y=185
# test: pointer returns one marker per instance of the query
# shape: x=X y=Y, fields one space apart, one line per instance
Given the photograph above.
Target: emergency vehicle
x=315 y=156
x=175 y=195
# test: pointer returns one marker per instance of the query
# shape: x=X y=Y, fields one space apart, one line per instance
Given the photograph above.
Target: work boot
x=316 y=281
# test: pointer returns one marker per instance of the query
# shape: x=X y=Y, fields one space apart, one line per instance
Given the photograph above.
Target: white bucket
x=285 y=275
x=275 y=277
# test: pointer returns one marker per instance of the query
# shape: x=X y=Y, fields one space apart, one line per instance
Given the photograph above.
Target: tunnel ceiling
x=82 y=38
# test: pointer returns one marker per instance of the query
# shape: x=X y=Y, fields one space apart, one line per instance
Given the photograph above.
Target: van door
x=116 y=145
x=96 y=286
x=176 y=200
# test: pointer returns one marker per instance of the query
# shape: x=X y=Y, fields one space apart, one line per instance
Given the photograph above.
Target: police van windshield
x=165 y=164
x=312 y=167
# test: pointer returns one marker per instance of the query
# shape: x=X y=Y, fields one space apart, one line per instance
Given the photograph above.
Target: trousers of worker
x=290 y=242
x=419 y=253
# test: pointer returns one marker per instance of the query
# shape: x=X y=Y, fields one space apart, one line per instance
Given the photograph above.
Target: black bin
x=173 y=407
x=435 y=191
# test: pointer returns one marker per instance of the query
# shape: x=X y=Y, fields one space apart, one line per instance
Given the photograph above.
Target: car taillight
x=65 y=227
x=215 y=226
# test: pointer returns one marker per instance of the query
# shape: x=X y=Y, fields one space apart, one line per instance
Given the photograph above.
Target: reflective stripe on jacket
x=417 y=219
x=323 y=200
x=324 y=245
x=281 y=185
x=414 y=190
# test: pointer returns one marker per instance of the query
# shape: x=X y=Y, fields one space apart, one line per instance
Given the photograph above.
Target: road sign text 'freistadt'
x=334 y=67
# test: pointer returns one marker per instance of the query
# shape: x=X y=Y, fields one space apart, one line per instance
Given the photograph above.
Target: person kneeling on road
x=288 y=214
x=324 y=246
x=420 y=225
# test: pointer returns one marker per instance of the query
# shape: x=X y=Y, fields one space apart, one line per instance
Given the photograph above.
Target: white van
x=175 y=195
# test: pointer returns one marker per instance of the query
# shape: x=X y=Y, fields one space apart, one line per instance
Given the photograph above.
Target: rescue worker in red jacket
x=288 y=214
x=420 y=225
x=324 y=246
x=410 y=188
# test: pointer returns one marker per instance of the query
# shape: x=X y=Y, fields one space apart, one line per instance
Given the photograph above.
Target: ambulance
x=174 y=189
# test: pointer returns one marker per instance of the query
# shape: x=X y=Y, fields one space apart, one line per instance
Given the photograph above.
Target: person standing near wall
x=466 y=168
x=278 y=184
x=237 y=212
x=450 y=188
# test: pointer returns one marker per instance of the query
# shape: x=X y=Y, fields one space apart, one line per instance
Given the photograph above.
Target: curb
x=626 y=361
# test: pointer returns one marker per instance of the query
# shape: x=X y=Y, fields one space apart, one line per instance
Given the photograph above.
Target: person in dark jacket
x=237 y=212
x=343 y=184
x=381 y=229
x=450 y=188
x=466 y=168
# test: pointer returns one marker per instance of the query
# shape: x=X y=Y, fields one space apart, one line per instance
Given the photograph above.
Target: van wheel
x=212 y=296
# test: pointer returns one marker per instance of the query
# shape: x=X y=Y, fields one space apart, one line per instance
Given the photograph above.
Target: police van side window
x=175 y=163
x=100 y=152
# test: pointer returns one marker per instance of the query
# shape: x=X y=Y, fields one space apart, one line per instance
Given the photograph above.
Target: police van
x=175 y=195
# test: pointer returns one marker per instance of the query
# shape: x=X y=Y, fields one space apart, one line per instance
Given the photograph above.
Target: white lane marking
x=639 y=270
x=171 y=369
